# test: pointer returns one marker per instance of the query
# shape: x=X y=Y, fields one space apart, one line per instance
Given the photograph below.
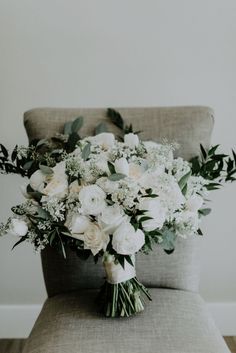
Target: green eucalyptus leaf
x=77 y=124
x=116 y=177
x=100 y=128
x=86 y=151
x=67 y=128
x=28 y=165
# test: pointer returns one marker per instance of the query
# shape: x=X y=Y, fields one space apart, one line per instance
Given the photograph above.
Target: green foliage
x=215 y=167
x=116 y=176
x=86 y=151
x=100 y=128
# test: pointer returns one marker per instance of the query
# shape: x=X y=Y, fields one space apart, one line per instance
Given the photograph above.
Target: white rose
x=127 y=241
x=18 y=227
x=148 y=178
x=58 y=182
x=107 y=185
x=153 y=209
x=122 y=166
x=105 y=139
x=111 y=218
x=37 y=180
x=194 y=203
x=78 y=224
x=131 y=140
x=92 y=199
x=95 y=239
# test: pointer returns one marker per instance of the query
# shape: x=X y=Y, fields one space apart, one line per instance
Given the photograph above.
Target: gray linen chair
x=177 y=320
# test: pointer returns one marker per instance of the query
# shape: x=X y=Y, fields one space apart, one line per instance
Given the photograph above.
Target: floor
x=16 y=345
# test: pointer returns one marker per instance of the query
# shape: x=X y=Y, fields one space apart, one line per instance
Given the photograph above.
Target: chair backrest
x=188 y=126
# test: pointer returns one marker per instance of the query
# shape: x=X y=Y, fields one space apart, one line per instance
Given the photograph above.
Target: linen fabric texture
x=176 y=320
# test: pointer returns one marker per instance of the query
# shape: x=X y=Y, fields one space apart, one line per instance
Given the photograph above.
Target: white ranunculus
x=95 y=239
x=105 y=139
x=37 y=180
x=153 y=209
x=122 y=166
x=18 y=227
x=131 y=140
x=92 y=199
x=111 y=218
x=194 y=203
x=127 y=241
x=58 y=182
x=107 y=185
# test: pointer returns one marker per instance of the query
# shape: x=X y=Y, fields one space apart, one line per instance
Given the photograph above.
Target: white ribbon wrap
x=115 y=273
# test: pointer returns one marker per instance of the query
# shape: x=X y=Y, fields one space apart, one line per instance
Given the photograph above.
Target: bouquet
x=111 y=198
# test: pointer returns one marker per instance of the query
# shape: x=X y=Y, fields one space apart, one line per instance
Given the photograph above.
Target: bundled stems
x=123 y=299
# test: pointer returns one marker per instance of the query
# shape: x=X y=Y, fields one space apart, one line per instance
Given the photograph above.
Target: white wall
x=118 y=53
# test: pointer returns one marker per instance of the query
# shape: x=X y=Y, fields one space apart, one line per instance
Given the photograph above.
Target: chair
x=177 y=320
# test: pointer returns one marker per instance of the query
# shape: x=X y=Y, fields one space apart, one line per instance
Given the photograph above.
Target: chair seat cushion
x=175 y=321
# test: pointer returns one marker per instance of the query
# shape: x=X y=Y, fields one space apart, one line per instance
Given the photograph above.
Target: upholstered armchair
x=177 y=320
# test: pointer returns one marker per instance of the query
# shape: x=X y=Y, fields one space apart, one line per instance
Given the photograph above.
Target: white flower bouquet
x=111 y=198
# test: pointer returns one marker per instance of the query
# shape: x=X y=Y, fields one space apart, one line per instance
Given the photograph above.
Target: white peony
x=37 y=180
x=131 y=140
x=58 y=182
x=122 y=166
x=106 y=140
x=95 y=239
x=155 y=210
x=18 y=227
x=92 y=199
x=194 y=203
x=111 y=218
x=127 y=241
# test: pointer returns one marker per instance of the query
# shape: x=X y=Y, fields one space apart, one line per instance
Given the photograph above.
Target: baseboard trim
x=16 y=321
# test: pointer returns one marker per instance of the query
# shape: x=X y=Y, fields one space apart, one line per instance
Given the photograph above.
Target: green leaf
x=203 y=151
x=111 y=167
x=116 y=118
x=204 y=211
x=144 y=218
x=183 y=181
x=121 y=260
x=67 y=128
x=199 y=231
x=86 y=151
x=129 y=260
x=14 y=154
x=42 y=213
x=72 y=141
x=28 y=165
x=45 y=169
x=100 y=128
x=22 y=239
x=77 y=124
x=4 y=150
x=52 y=237
x=212 y=150
x=168 y=239
x=116 y=176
